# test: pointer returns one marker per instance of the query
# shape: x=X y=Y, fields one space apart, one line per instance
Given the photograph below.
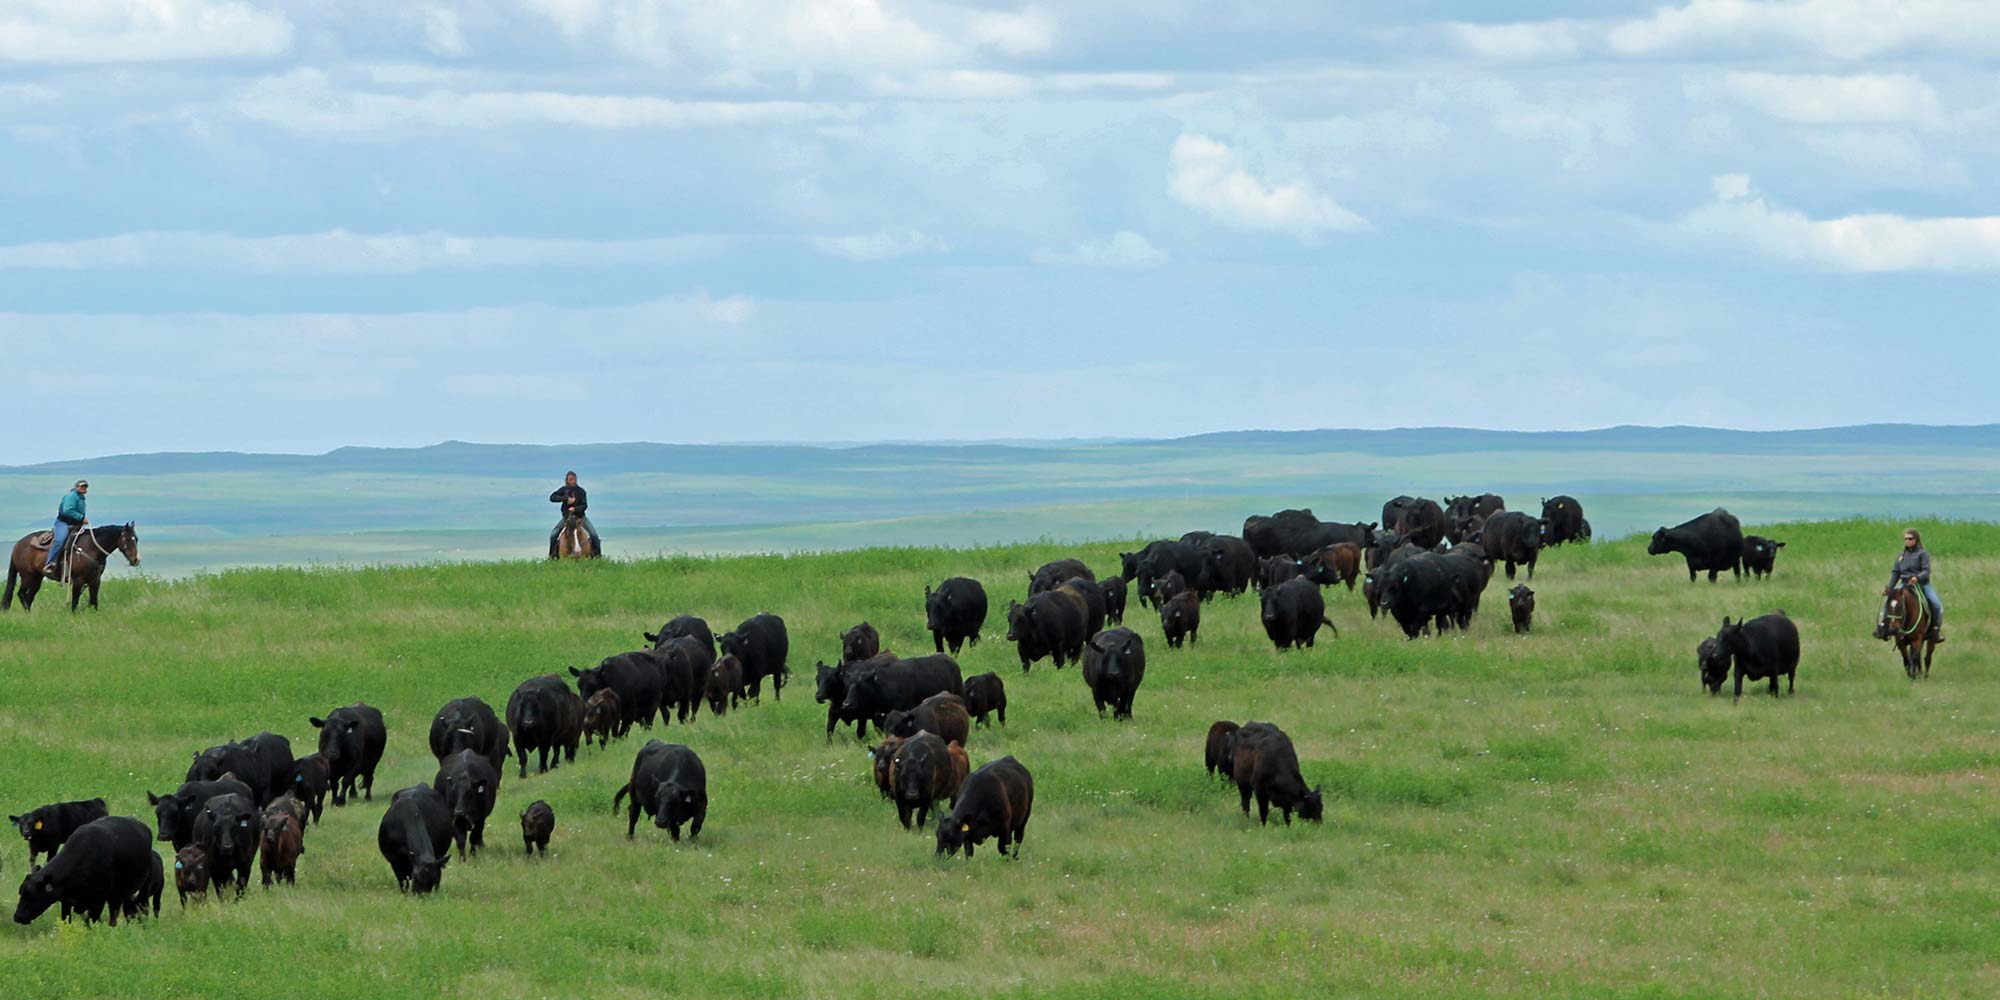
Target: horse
x=1908 y=621
x=88 y=555
x=572 y=542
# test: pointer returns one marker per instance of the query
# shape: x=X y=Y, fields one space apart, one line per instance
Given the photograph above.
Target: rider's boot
x=552 y=551
x=52 y=571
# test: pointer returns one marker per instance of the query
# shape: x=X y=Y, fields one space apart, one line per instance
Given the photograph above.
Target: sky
x=295 y=225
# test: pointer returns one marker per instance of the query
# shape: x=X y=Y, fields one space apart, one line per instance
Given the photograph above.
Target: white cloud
x=1740 y=218
x=122 y=31
x=1525 y=40
x=1030 y=31
x=731 y=311
x=442 y=36
x=341 y=252
x=1207 y=176
x=1860 y=99
x=1841 y=29
x=307 y=101
x=778 y=36
x=881 y=246
x=1123 y=250
x=572 y=17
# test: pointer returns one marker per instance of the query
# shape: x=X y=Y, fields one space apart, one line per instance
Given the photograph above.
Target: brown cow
x=191 y=873
x=283 y=842
x=724 y=686
x=1219 y=755
x=1337 y=563
x=942 y=713
x=883 y=756
x=960 y=768
x=600 y=717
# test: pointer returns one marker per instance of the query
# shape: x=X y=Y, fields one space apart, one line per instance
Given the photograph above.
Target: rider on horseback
x=1914 y=565
x=69 y=516
x=571 y=496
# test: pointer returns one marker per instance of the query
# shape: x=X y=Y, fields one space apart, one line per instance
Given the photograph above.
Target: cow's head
x=339 y=738
x=191 y=869
x=426 y=870
x=827 y=683
x=231 y=825
x=935 y=605
x=1116 y=659
x=37 y=895
x=1017 y=621
x=1658 y=546
x=861 y=692
x=953 y=832
x=674 y=805
x=276 y=825
x=1311 y=806
x=1519 y=596
x=1714 y=663
x=734 y=643
x=858 y=643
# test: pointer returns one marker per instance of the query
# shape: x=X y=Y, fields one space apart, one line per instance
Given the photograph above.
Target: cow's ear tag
x=965 y=828
x=38 y=824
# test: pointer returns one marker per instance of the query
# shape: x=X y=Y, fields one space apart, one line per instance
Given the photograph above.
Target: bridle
x=1906 y=596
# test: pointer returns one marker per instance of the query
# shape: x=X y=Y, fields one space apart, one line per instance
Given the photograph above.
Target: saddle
x=43 y=538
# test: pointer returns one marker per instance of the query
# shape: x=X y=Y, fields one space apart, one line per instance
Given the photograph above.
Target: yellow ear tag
x=965 y=828
x=38 y=824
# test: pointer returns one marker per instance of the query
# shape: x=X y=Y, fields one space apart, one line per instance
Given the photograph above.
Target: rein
x=1905 y=597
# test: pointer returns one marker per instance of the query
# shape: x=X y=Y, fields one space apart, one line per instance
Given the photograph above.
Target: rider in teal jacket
x=69 y=517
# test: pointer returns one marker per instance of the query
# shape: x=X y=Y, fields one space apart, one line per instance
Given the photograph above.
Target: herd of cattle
x=249 y=803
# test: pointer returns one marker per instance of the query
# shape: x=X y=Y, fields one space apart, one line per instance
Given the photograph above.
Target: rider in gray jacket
x=1914 y=564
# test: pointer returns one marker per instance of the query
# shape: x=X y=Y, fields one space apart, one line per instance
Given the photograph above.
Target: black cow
x=684 y=666
x=1418 y=520
x=1298 y=532
x=352 y=740
x=1265 y=765
x=1050 y=624
x=763 y=645
x=104 y=863
x=955 y=612
x=1564 y=517
x=1053 y=574
x=1114 y=666
x=1422 y=589
x=1513 y=537
x=1714 y=664
x=1180 y=619
x=1166 y=586
x=920 y=774
x=469 y=784
x=46 y=827
x=1277 y=569
x=309 y=783
x=1093 y=602
x=943 y=713
x=899 y=685
x=1113 y=588
x=1764 y=646
x=545 y=716
x=1760 y=555
x=995 y=801
x=415 y=838
x=227 y=828
x=1219 y=752
x=152 y=888
x=985 y=693
x=688 y=626
x=1477 y=505
x=1521 y=604
x=264 y=762
x=830 y=689
x=1293 y=612
x=538 y=823
x=1711 y=542
x=637 y=678
x=1161 y=558
x=1229 y=565
x=175 y=813
x=670 y=785
x=469 y=724
x=860 y=643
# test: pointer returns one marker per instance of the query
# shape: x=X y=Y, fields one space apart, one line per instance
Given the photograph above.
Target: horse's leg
x=75 y=594
x=7 y=598
x=94 y=583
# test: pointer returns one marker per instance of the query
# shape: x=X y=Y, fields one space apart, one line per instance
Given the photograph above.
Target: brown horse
x=1908 y=622
x=87 y=558
x=572 y=542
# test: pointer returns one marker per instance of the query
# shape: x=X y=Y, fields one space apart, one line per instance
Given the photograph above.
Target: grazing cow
x=763 y=645
x=1053 y=574
x=469 y=724
x=190 y=873
x=264 y=762
x=1421 y=589
x=830 y=685
x=46 y=827
x=175 y=813
x=280 y=846
x=1298 y=532
x=1277 y=569
x=152 y=888
x=919 y=775
x=684 y=666
x=415 y=838
x=984 y=694
x=1521 y=604
x=1093 y=602
x=879 y=688
x=601 y=716
x=961 y=768
x=1513 y=537
x=1229 y=566
x=352 y=740
x=227 y=829
x=1113 y=588
x=1050 y=624
x=309 y=781
x=1337 y=563
x=1265 y=765
x=860 y=643
x=683 y=626
x=995 y=801
x=468 y=783
x=669 y=784
x=1293 y=613
x=1760 y=555
x=955 y=612
x=1419 y=521
x=104 y=863
x=1713 y=663
x=1113 y=667
x=1564 y=517
x=545 y=716
x=638 y=679
x=1764 y=646
x=1712 y=542
x=538 y=823
x=880 y=758
x=1180 y=619
x=1219 y=754
x=724 y=687
x=943 y=713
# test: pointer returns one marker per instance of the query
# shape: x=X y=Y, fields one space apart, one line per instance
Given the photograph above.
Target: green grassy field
x=1561 y=814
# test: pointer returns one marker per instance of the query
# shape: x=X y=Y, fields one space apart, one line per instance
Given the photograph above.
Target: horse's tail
x=7 y=599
